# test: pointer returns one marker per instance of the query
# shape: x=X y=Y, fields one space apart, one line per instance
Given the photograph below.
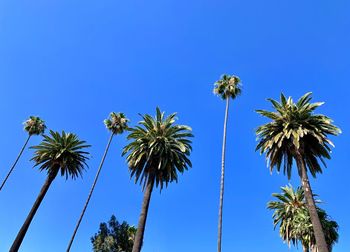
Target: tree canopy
x=114 y=237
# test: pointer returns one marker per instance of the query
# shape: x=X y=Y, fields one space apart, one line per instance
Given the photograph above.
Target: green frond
x=283 y=100
x=63 y=152
x=294 y=128
x=159 y=149
x=292 y=217
x=117 y=122
x=34 y=125
x=229 y=86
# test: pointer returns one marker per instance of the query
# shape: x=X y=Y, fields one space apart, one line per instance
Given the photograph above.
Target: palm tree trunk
x=22 y=232
x=221 y=204
x=143 y=217
x=14 y=164
x=90 y=194
x=314 y=248
x=305 y=248
x=310 y=202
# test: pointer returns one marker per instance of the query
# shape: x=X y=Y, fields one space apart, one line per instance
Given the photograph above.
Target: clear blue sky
x=72 y=62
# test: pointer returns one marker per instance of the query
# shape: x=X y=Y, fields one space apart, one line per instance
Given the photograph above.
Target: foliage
x=292 y=216
x=34 y=125
x=117 y=123
x=64 y=152
x=294 y=130
x=159 y=149
x=228 y=87
x=114 y=237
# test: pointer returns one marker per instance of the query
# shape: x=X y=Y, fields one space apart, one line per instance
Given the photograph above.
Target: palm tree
x=293 y=218
x=288 y=206
x=34 y=126
x=227 y=87
x=158 y=151
x=59 y=153
x=116 y=124
x=296 y=133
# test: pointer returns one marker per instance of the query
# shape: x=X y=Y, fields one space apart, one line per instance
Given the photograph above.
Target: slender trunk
x=314 y=248
x=143 y=217
x=22 y=232
x=221 y=204
x=14 y=164
x=310 y=202
x=90 y=194
x=305 y=248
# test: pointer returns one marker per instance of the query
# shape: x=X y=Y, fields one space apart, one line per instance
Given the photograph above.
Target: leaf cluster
x=295 y=130
x=229 y=86
x=159 y=149
x=61 y=152
x=34 y=125
x=293 y=218
x=117 y=123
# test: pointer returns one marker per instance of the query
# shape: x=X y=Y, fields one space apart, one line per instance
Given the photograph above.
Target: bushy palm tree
x=228 y=87
x=288 y=206
x=296 y=133
x=158 y=151
x=34 y=126
x=58 y=153
x=116 y=124
x=293 y=218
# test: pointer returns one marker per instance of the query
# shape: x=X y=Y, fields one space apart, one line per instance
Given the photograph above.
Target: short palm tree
x=58 y=153
x=34 y=126
x=159 y=150
x=116 y=124
x=293 y=218
x=296 y=133
x=228 y=87
x=289 y=205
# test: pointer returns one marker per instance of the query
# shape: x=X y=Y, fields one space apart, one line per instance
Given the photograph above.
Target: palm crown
x=289 y=205
x=64 y=152
x=117 y=123
x=292 y=216
x=295 y=130
x=34 y=125
x=228 y=87
x=159 y=149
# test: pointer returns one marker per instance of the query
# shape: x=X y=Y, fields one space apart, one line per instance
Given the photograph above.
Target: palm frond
x=63 y=152
x=229 y=86
x=293 y=219
x=159 y=149
x=294 y=128
x=34 y=125
x=117 y=122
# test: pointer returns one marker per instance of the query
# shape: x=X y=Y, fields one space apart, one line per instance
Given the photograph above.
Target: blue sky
x=73 y=62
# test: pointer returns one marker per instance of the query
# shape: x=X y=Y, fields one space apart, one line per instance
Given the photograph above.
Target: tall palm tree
x=34 y=126
x=158 y=151
x=116 y=124
x=293 y=218
x=59 y=153
x=228 y=87
x=296 y=133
